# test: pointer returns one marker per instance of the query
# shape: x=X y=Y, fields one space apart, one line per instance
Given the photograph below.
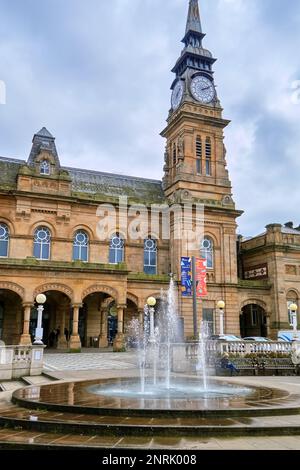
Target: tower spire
x=193 y=20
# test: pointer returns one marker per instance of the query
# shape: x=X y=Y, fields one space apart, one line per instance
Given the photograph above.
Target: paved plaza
x=89 y=361
x=96 y=365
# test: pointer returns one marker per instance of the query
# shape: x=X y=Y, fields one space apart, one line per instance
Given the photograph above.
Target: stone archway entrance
x=98 y=320
x=55 y=320
x=11 y=317
x=253 y=321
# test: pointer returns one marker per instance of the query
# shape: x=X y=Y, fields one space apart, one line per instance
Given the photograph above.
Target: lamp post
x=151 y=302
x=293 y=309
x=221 y=306
x=40 y=299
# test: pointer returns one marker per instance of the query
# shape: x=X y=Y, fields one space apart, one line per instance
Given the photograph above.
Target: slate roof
x=92 y=183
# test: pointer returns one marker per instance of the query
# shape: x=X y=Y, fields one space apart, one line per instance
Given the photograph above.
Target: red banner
x=201 y=277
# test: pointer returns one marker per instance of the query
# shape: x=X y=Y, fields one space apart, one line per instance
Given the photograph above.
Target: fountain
x=154 y=341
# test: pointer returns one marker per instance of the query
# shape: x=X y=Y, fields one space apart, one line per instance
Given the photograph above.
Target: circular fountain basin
x=185 y=397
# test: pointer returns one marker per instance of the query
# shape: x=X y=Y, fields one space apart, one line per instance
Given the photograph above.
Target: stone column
x=141 y=316
x=25 y=338
x=119 y=339
x=75 y=342
x=62 y=341
x=103 y=341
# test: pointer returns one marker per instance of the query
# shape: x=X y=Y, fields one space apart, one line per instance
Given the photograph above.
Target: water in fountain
x=157 y=352
x=202 y=366
x=171 y=322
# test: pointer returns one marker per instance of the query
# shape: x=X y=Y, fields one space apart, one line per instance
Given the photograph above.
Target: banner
x=201 y=285
x=186 y=276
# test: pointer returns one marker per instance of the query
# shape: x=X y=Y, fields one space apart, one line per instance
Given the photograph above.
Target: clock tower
x=196 y=170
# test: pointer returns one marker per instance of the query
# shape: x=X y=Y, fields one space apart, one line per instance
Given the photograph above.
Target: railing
x=19 y=361
x=185 y=356
x=239 y=347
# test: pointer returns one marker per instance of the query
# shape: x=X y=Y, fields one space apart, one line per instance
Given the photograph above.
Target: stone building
x=49 y=241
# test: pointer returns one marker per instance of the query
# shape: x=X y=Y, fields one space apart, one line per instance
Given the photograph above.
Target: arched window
x=150 y=256
x=174 y=154
x=4 y=240
x=42 y=243
x=207 y=252
x=81 y=246
x=208 y=156
x=116 y=249
x=199 y=155
x=45 y=167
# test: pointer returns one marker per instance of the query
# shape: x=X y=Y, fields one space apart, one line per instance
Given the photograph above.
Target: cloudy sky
x=97 y=74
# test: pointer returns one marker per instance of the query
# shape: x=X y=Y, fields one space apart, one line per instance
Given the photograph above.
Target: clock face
x=203 y=89
x=177 y=95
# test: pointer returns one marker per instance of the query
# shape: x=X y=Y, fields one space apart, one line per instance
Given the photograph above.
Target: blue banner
x=186 y=276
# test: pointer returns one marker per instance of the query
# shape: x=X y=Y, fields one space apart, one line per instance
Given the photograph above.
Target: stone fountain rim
x=293 y=407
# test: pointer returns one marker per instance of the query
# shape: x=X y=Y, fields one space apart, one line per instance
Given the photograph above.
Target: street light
x=151 y=302
x=221 y=307
x=40 y=300
x=293 y=309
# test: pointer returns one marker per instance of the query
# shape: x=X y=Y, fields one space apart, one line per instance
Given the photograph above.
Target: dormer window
x=45 y=168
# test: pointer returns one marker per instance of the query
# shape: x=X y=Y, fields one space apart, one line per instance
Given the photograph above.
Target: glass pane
x=209 y=259
x=119 y=256
x=36 y=250
x=76 y=253
x=153 y=258
x=112 y=256
x=84 y=253
x=198 y=166
x=3 y=248
x=45 y=252
x=149 y=270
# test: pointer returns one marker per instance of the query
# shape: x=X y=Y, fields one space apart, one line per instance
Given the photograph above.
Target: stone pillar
x=25 y=338
x=75 y=342
x=103 y=341
x=141 y=316
x=62 y=341
x=119 y=339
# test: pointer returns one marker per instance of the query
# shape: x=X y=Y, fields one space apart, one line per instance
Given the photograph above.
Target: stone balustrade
x=20 y=361
x=185 y=355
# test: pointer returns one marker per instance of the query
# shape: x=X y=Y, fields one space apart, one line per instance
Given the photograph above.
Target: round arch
x=5 y=285
x=10 y=225
x=212 y=237
x=83 y=227
x=292 y=294
x=42 y=223
x=133 y=299
x=101 y=289
x=54 y=287
x=260 y=303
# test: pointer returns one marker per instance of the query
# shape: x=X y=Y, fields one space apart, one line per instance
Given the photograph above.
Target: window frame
x=80 y=246
x=116 y=250
x=205 y=251
x=148 y=252
x=41 y=243
x=45 y=162
x=5 y=241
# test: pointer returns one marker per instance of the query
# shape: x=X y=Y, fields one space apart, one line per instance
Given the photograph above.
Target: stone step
x=38 y=380
x=71 y=423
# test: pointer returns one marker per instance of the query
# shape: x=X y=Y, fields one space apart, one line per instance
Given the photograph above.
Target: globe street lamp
x=40 y=300
x=151 y=302
x=293 y=309
x=221 y=306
